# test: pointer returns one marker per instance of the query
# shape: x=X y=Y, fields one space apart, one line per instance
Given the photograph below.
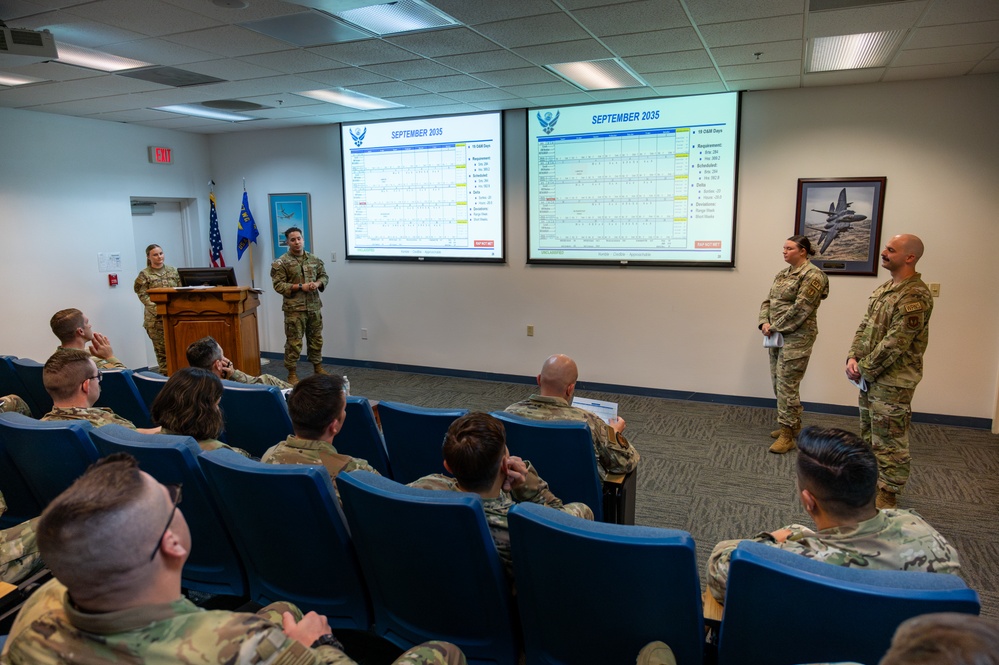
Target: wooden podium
x=227 y=313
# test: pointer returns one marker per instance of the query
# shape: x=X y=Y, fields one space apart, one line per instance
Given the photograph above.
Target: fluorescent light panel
x=606 y=74
x=91 y=59
x=870 y=49
x=349 y=98
x=397 y=17
x=14 y=79
x=202 y=112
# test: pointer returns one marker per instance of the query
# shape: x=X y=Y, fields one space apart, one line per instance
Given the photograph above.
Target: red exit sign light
x=160 y=155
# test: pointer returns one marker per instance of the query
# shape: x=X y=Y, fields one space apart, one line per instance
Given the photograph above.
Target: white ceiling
x=492 y=60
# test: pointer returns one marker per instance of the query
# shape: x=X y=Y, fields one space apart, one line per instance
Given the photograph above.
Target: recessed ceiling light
x=349 y=98
x=14 y=79
x=393 y=18
x=91 y=59
x=202 y=112
x=607 y=74
x=870 y=49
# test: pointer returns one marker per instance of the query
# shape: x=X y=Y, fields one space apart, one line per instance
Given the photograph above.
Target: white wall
x=681 y=329
x=65 y=185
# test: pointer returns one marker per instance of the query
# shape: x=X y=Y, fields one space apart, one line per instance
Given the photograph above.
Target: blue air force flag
x=247 y=232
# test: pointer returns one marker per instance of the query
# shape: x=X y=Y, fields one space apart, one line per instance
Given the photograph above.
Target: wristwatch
x=328 y=640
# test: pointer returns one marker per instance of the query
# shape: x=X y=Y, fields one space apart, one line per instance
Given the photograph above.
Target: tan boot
x=885 y=499
x=785 y=442
x=292 y=377
x=794 y=430
x=319 y=369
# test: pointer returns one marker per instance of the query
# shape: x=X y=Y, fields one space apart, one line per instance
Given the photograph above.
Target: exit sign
x=159 y=155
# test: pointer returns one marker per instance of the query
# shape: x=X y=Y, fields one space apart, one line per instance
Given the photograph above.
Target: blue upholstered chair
x=149 y=384
x=360 y=437
x=290 y=534
x=562 y=453
x=597 y=593
x=431 y=566
x=10 y=382
x=30 y=374
x=256 y=416
x=119 y=393
x=49 y=455
x=214 y=566
x=413 y=437
x=792 y=609
x=21 y=502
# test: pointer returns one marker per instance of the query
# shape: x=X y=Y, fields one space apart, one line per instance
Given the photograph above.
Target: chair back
x=289 y=530
x=21 y=502
x=431 y=566
x=849 y=614
x=565 y=621
x=149 y=384
x=120 y=394
x=360 y=436
x=10 y=382
x=256 y=416
x=30 y=374
x=561 y=451
x=214 y=566
x=413 y=437
x=49 y=455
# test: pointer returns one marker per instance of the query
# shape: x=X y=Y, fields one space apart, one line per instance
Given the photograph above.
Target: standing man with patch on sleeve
x=300 y=277
x=887 y=352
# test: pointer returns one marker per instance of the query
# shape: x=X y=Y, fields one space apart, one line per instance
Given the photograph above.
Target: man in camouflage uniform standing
x=300 y=277
x=115 y=602
x=557 y=385
x=73 y=382
x=207 y=354
x=475 y=452
x=887 y=353
x=789 y=309
x=318 y=408
x=837 y=485
x=74 y=332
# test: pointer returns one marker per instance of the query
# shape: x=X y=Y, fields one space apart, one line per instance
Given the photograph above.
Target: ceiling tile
x=954 y=35
x=90 y=106
x=928 y=71
x=474 y=13
x=629 y=93
x=78 y=31
x=986 y=67
x=367 y=52
x=520 y=76
x=746 y=54
x=549 y=54
x=754 y=31
x=255 y=9
x=762 y=70
x=283 y=101
x=148 y=17
x=690 y=89
x=419 y=101
x=345 y=77
x=482 y=95
x=533 y=31
x=560 y=100
x=500 y=105
x=657 y=41
x=134 y=115
x=230 y=41
x=632 y=17
x=942 y=55
x=388 y=89
x=55 y=71
x=555 y=88
x=665 y=62
x=488 y=61
x=573 y=5
x=858 y=20
x=230 y=69
x=406 y=69
x=703 y=75
x=443 y=42
x=725 y=11
x=158 y=52
x=449 y=84
x=765 y=84
x=293 y=61
x=847 y=77
x=961 y=11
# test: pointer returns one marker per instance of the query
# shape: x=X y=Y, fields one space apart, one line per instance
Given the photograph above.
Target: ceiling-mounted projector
x=19 y=46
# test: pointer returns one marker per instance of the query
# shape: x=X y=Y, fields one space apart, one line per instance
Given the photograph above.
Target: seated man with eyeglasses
x=113 y=602
x=73 y=382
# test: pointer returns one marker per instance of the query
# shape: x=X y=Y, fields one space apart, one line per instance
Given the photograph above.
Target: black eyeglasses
x=99 y=377
x=175 y=497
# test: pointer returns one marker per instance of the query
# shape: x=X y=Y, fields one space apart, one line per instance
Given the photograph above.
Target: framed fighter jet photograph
x=842 y=218
x=287 y=211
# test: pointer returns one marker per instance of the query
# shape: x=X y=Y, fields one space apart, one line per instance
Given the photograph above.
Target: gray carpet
x=705 y=467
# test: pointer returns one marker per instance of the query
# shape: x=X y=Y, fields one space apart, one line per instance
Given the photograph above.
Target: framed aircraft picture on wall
x=842 y=218
x=287 y=211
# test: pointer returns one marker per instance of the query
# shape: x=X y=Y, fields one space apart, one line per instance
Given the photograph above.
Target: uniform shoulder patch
x=816 y=283
x=913 y=307
x=914 y=321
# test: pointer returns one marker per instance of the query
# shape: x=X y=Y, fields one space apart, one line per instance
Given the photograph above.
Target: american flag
x=214 y=237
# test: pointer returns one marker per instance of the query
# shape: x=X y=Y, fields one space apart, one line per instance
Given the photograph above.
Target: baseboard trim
x=662 y=393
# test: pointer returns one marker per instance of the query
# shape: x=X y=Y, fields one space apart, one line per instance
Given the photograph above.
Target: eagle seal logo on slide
x=548 y=122
x=358 y=137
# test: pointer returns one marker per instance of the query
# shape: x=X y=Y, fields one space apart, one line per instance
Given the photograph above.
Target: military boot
x=885 y=499
x=796 y=430
x=785 y=442
x=319 y=368
x=292 y=377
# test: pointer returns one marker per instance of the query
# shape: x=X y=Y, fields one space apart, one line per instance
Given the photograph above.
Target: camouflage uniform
x=534 y=490
x=790 y=310
x=614 y=453
x=19 y=556
x=294 y=450
x=49 y=630
x=110 y=363
x=302 y=309
x=889 y=347
x=209 y=444
x=165 y=277
x=95 y=415
x=14 y=404
x=263 y=379
x=891 y=540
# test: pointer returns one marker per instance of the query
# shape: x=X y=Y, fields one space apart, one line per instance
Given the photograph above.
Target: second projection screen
x=640 y=182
